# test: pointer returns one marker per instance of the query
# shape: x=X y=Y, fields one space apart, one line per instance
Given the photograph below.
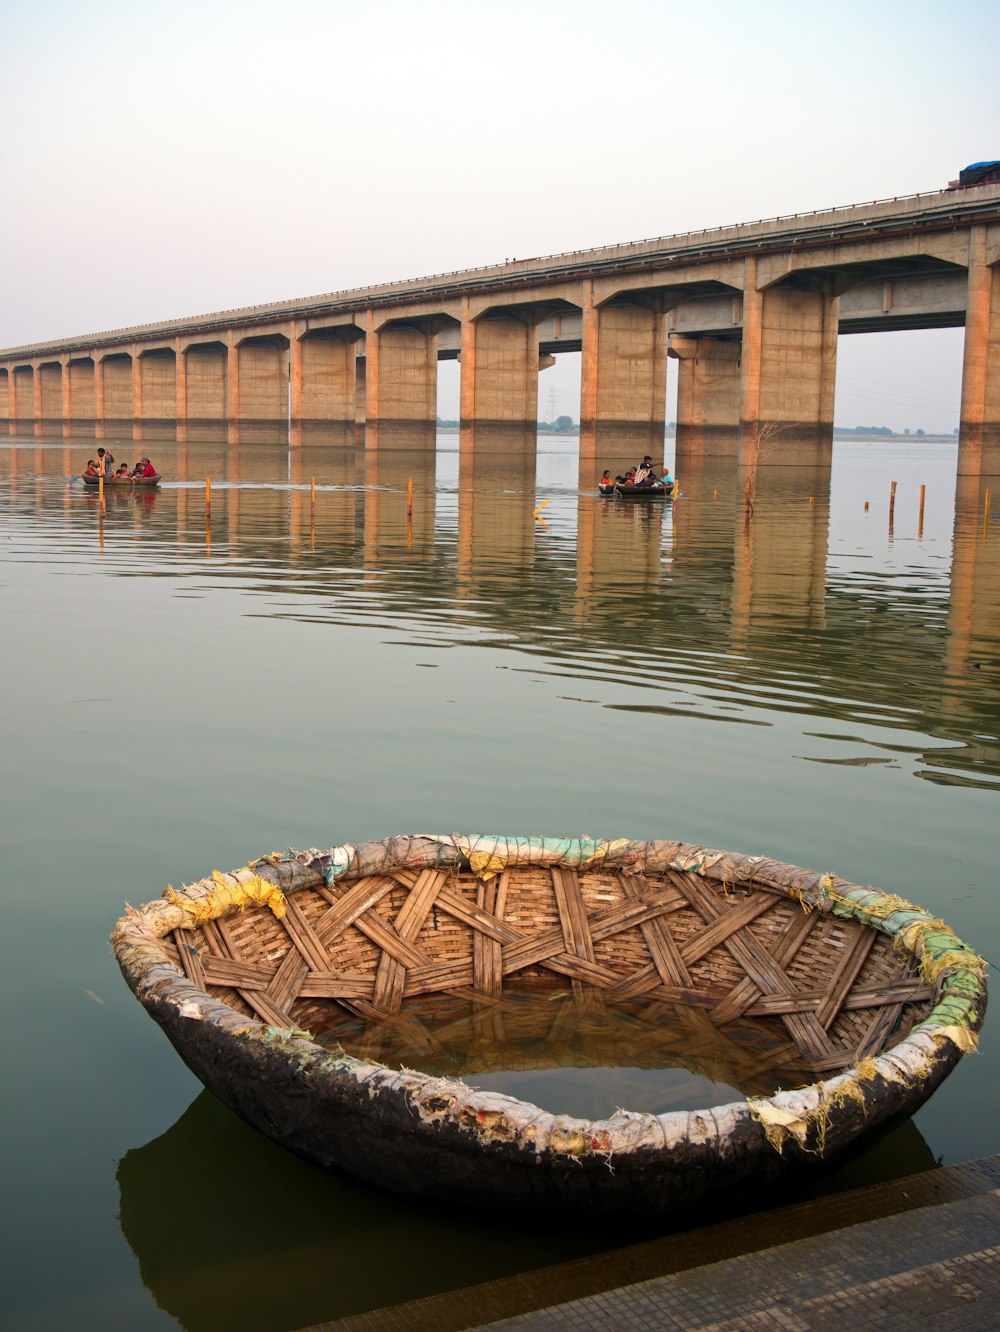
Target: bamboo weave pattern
x=382 y=945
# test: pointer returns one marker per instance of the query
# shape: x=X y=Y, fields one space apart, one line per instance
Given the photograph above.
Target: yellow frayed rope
x=229 y=894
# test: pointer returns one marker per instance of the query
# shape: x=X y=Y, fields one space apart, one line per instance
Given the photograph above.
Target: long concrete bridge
x=752 y=313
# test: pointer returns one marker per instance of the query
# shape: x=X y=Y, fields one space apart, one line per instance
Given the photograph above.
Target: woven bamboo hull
x=136 y=483
x=657 y=491
x=240 y=969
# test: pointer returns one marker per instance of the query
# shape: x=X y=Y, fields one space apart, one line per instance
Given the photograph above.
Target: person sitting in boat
x=122 y=474
x=644 y=474
x=91 y=468
x=606 y=481
x=144 y=468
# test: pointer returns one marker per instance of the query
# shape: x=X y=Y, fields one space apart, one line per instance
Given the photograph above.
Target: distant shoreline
x=840 y=433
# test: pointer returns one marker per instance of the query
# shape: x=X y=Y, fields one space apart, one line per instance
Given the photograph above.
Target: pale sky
x=166 y=160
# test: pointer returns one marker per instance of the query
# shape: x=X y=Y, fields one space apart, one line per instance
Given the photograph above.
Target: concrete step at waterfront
x=603 y=1275
x=938 y=1262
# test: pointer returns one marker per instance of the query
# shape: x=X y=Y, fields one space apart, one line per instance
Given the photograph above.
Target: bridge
x=752 y=313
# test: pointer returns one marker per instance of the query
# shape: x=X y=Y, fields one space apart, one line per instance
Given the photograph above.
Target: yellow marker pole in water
x=208 y=494
x=541 y=506
x=100 y=492
x=312 y=492
x=409 y=495
x=920 y=517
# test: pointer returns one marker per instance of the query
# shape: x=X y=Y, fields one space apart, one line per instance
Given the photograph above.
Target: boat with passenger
x=856 y=1002
x=660 y=489
x=123 y=482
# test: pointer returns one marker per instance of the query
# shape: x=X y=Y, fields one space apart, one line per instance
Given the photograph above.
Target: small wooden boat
x=249 y=973
x=132 y=483
x=658 y=490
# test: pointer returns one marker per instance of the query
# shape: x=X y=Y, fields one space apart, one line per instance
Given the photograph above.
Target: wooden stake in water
x=312 y=492
x=208 y=494
x=920 y=519
x=409 y=495
x=892 y=505
x=866 y=506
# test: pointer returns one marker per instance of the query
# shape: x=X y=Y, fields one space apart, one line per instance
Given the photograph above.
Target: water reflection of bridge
x=691 y=607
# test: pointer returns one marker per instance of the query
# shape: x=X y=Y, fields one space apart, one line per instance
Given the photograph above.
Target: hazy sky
x=164 y=160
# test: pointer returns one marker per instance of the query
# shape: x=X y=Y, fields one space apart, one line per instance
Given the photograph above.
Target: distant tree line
x=562 y=425
x=882 y=430
x=565 y=425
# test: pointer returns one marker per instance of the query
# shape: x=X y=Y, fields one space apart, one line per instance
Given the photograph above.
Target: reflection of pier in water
x=664 y=599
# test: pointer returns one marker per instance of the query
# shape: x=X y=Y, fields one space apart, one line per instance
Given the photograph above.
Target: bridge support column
x=137 y=404
x=180 y=390
x=12 y=399
x=5 y=378
x=98 y=396
x=979 y=428
x=789 y=368
x=66 y=386
x=295 y=379
x=708 y=394
x=232 y=385
x=499 y=384
x=400 y=386
x=623 y=382
x=36 y=397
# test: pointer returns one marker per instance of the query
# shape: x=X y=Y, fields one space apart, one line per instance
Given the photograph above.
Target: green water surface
x=183 y=692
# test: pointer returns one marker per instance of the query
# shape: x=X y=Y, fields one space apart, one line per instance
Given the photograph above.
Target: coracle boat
x=872 y=997
x=658 y=490
x=131 y=483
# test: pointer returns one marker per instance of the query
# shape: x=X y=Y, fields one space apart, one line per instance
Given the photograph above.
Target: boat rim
x=924 y=1056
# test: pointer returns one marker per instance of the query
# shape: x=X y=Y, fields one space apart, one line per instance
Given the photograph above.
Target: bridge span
x=752 y=313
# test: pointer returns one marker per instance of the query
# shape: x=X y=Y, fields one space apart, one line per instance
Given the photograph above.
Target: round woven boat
x=249 y=974
x=128 y=483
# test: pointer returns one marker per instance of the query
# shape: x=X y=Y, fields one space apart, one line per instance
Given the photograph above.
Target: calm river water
x=180 y=695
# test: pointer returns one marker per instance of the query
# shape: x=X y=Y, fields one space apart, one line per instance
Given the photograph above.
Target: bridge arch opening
x=876 y=374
